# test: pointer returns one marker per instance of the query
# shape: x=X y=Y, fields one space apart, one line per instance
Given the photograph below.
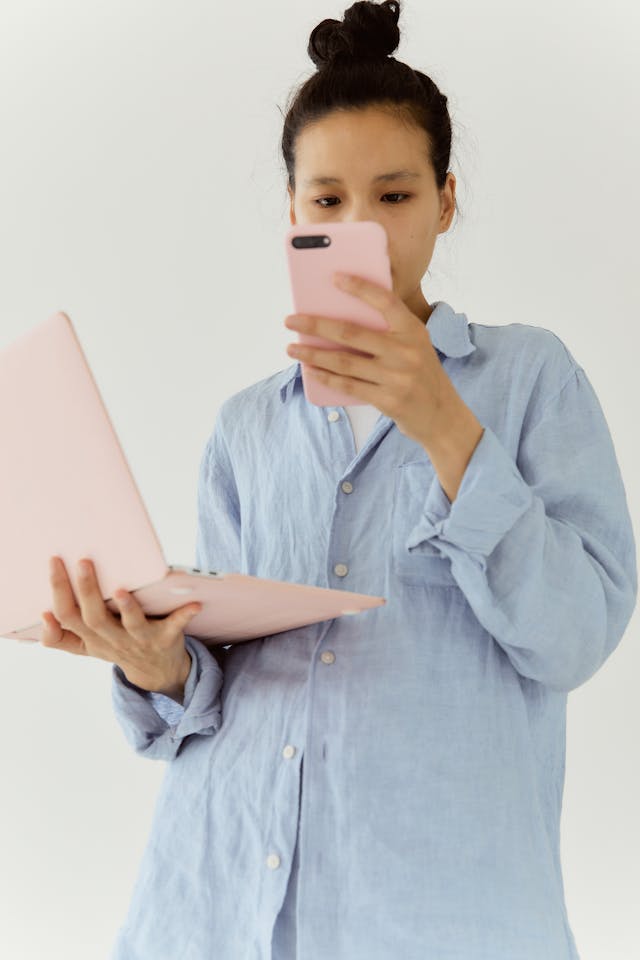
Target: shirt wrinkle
x=573 y=373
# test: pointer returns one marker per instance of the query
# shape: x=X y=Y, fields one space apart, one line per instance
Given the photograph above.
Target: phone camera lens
x=312 y=240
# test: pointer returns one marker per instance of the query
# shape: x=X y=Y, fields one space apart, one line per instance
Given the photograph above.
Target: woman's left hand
x=402 y=376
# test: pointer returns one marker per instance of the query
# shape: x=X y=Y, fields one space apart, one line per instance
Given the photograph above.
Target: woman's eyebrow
x=394 y=175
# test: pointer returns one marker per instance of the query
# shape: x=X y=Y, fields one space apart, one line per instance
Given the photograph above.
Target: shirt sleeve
x=218 y=539
x=159 y=734
x=155 y=725
x=542 y=546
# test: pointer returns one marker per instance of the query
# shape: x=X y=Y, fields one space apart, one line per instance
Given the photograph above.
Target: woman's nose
x=357 y=214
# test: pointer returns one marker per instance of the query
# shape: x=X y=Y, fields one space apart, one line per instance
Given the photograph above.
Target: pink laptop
x=66 y=490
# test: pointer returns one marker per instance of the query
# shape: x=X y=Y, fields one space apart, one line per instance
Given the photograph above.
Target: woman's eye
x=394 y=203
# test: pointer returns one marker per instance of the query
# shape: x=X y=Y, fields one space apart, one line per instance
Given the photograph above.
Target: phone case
x=357 y=247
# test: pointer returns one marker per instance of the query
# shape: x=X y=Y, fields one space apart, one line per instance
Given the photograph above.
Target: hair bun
x=369 y=31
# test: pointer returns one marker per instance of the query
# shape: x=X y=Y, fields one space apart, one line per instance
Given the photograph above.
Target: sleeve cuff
x=491 y=497
x=201 y=711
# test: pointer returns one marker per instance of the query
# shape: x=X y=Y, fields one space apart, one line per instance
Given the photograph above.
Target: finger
x=132 y=616
x=51 y=629
x=354 y=335
x=134 y=619
x=64 y=604
x=53 y=635
x=178 y=619
x=341 y=363
x=360 y=389
x=93 y=609
x=379 y=297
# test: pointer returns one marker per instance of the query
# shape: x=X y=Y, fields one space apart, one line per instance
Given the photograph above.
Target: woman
x=478 y=490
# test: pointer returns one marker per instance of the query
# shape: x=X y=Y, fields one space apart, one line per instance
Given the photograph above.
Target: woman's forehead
x=379 y=146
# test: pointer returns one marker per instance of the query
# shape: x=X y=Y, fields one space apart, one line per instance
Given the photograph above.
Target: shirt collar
x=449 y=332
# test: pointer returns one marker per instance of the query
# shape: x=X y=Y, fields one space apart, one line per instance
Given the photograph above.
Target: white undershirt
x=363 y=417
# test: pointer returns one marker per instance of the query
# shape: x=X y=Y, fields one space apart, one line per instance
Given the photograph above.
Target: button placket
x=273 y=861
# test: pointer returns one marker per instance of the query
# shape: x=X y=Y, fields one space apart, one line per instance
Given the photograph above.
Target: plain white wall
x=143 y=193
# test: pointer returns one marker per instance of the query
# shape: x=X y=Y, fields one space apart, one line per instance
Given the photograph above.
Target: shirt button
x=340 y=569
x=288 y=752
x=328 y=656
x=273 y=861
x=347 y=487
x=333 y=416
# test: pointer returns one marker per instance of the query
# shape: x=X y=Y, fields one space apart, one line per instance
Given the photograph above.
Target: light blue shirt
x=425 y=822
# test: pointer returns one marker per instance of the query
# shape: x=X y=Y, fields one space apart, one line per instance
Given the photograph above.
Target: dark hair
x=355 y=71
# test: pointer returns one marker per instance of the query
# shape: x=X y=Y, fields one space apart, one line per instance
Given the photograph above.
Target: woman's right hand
x=151 y=653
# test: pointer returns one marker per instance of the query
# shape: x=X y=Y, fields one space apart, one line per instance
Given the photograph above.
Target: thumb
x=181 y=616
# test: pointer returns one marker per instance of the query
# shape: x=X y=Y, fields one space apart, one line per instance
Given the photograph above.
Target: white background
x=143 y=193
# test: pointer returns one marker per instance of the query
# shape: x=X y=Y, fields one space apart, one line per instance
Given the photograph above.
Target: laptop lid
x=67 y=490
x=63 y=464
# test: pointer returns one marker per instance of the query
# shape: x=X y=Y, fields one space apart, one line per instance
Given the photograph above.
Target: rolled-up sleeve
x=149 y=733
x=542 y=546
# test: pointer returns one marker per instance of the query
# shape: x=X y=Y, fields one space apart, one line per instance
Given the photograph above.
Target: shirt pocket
x=423 y=565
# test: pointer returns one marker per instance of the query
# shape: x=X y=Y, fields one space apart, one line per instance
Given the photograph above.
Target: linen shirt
x=424 y=822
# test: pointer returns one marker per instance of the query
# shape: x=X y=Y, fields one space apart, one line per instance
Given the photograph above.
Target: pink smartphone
x=314 y=253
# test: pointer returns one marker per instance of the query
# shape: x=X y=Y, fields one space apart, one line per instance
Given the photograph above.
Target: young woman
x=478 y=490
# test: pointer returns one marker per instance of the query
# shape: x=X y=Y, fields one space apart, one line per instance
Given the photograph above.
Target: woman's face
x=355 y=147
